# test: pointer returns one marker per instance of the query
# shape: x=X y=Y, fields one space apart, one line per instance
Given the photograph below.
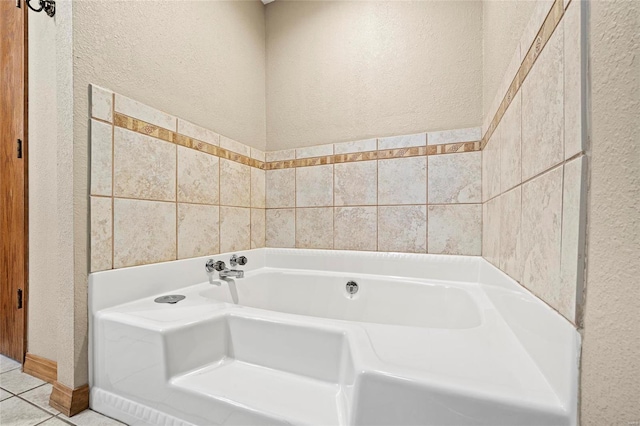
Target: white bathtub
x=426 y=340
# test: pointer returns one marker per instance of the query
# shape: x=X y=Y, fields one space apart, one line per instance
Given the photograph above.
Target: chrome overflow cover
x=352 y=287
x=171 y=298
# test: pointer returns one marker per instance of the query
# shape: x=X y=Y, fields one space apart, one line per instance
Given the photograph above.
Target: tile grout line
x=219 y=205
x=250 y=206
x=172 y=202
x=560 y=164
x=177 y=245
x=113 y=183
x=377 y=189
x=426 y=211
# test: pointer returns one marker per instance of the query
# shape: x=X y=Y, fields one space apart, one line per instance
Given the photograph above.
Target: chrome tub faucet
x=222 y=269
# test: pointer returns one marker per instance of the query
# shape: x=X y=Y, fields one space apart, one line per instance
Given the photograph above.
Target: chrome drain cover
x=352 y=287
x=172 y=298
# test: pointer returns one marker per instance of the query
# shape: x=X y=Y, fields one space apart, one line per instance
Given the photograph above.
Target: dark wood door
x=13 y=178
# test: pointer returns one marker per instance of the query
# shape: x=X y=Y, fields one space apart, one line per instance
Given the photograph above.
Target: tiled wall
x=165 y=189
x=415 y=193
x=534 y=162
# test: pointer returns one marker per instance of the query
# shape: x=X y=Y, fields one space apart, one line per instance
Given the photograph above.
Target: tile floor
x=24 y=401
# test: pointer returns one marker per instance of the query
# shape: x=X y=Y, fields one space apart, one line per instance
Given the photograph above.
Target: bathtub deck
x=295 y=398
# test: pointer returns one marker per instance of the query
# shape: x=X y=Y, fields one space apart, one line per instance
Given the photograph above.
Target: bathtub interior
x=388 y=300
x=278 y=363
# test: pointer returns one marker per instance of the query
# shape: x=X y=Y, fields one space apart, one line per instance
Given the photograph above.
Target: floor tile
x=90 y=418
x=4 y=394
x=40 y=397
x=16 y=412
x=15 y=381
x=54 y=421
x=7 y=364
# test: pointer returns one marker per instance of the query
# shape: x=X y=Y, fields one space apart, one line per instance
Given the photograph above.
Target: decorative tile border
x=544 y=34
x=139 y=126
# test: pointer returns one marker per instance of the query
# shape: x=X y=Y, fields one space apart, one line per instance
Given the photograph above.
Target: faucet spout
x=231 y=273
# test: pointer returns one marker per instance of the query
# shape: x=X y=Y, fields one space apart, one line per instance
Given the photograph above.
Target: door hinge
x=19 y=298
x=18 y=4
x=19 y=148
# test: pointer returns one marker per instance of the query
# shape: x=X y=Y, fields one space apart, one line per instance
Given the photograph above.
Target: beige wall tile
x=144 y=232
x=101 y=158
x=234 y=146
x=257 y=154
x=314 y=186
x=198 y=176
x=258 y=228
x=491 y=231
x=511 y=145
x=314 y=151
x=281 y=228
x=356 y=183
x=355 y=146
x=285 y=154
x=101 y=234
x=543 y=110
x=402 y=181
x=491 y=166
x=572 y=255
x=455 y=178
x=144 y=167
x=198 y=230
x=258 y=179
x=455 y=229
x=541 y=235
x=404 y=141
x=135 y=109
x=196 y=132
x=314 y=228
x=402 y=229
x=235 y=184
x=101 y=103
x=538 y=16
x=355 y=228
x=573 y=76
x=510 y=233
x=471 y=134
x=235 y=229
x=281 y=188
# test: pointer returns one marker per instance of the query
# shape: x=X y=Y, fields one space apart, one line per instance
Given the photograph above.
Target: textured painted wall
x=503 y=23
x=201 y=60
x=42 y=186
x=342 y=70
x=610 y=362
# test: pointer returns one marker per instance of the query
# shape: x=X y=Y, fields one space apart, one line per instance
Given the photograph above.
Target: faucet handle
x=215 y=266
x=235 y=260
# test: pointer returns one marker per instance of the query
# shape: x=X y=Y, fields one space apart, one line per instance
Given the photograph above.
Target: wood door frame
x=20 y=7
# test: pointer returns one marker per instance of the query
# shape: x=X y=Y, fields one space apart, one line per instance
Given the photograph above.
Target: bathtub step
x=293 y=398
